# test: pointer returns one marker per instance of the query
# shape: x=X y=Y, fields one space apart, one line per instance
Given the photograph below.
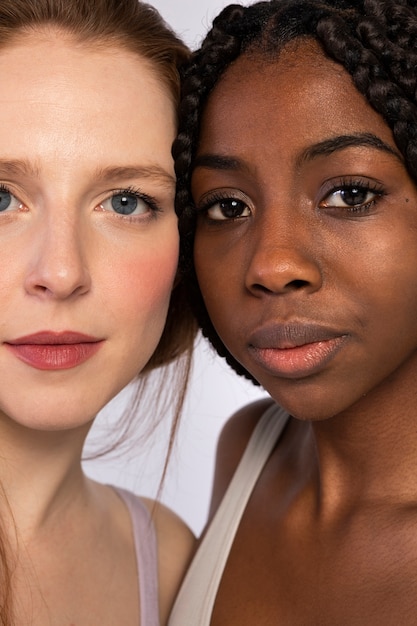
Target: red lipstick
x=47 y=350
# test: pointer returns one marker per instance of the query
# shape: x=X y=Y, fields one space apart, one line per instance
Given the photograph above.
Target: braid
x=221 y=47
x=381 y=56
x=206 y=65
x=374 y=40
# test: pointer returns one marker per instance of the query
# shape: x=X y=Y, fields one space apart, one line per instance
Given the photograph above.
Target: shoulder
x=231 y=445
x=176 y=545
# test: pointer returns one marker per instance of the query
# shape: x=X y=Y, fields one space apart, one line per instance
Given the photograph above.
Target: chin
x=47 y=418
x=311 y=405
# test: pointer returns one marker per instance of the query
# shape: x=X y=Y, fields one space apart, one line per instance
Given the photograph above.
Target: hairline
x=93 y=42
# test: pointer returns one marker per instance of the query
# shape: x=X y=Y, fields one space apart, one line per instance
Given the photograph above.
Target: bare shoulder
x=231 y=445
x=176 y=544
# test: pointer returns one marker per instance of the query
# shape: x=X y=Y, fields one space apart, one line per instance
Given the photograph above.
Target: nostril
x=297 y=284
x=40 y=288
x=259 y=288
x=292 y=285
x=278 y=269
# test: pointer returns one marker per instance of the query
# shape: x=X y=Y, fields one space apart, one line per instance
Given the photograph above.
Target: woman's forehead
x=263 y=108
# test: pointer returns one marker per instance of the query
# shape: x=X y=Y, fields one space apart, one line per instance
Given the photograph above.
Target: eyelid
x=210 y=209
x=149 y=201
x=210 y=198
x=18 y=204
x=332 y=186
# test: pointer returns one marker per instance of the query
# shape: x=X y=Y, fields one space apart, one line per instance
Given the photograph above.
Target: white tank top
x=195 y=601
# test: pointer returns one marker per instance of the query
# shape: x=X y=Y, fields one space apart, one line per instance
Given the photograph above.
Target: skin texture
x=76 y=131
x=311 y=284
x=71 y=260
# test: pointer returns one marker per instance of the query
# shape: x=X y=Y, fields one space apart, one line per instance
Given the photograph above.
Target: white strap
x=195 y=601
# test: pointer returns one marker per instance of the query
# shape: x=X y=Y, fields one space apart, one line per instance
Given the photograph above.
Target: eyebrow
x=19 y=167
x=217 y=162
x=154 y=172
x=341 y=142
x=323 y=148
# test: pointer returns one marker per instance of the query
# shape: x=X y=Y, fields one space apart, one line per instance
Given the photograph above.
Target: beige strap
x=195 y=601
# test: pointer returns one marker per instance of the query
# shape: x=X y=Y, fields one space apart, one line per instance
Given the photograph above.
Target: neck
x=40 y=475
x=367 y=454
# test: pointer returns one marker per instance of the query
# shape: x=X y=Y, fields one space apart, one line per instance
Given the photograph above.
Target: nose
x=282 y=262
x=58 y=266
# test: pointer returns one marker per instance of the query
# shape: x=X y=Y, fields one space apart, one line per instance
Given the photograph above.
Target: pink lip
x=295 y=350
x=47 y=350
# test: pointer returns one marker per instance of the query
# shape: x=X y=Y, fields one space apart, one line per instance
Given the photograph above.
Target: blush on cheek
x=148 y=282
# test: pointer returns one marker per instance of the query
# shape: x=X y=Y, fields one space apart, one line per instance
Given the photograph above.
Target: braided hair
x=374 y=40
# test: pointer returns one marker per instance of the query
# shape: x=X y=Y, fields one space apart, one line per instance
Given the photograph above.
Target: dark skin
x=309 y=221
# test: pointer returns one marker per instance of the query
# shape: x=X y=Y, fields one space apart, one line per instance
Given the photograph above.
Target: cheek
x=214 y=275
x=144 y=282
x=206 y=273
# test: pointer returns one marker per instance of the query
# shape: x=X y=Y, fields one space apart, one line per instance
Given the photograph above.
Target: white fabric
x=195 y=601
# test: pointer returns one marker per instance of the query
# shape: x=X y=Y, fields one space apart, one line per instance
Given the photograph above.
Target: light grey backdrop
x=215 y=391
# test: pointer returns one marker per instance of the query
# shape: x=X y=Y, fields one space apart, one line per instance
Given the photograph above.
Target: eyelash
x=216 y=197
x=4 y=189
x=342 y=185
x=149 y=201
x=349 y=184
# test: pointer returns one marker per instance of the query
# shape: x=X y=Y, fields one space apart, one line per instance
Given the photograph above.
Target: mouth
x=295 y=350
x=48 y=350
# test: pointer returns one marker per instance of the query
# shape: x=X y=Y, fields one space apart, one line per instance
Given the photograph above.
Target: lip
x=47 y=350
x=295 y=350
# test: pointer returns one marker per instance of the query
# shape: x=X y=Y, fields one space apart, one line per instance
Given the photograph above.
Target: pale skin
x=78 y=133
x=329 y=535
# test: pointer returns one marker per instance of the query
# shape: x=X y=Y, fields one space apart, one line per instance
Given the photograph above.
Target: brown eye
x=350 y=197
x=228 y=209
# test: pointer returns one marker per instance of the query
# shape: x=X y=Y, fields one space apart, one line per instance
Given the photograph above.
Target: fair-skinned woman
x=89 y=241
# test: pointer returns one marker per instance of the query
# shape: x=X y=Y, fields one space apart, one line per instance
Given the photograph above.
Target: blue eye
x=7 y=200
x=124 y=203
x=128 y=203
